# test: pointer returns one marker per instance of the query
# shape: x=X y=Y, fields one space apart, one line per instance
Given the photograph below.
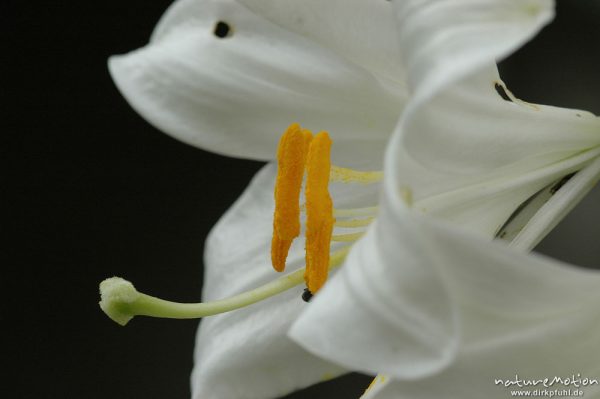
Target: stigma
x=300 y=154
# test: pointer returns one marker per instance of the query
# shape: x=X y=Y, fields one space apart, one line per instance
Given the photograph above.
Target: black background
x=91 y=190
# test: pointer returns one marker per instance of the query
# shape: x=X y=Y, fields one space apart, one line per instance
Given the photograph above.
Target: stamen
x=377 y=381
x=291 y=160
x=347 y=237
x=349 y=212
x=346 y=175
x=353 y=222
x=319 y=211
x=121 y=301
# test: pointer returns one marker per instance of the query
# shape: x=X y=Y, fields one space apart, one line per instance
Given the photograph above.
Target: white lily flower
x=228 y=76
x=425 y=298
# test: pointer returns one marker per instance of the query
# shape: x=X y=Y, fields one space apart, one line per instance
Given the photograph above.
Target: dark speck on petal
x=222 y=30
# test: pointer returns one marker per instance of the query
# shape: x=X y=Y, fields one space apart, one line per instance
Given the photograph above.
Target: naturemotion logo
x=575 y=381
x=556 y=386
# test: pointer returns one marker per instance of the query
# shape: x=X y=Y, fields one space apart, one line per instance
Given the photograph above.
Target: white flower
x=229 y=76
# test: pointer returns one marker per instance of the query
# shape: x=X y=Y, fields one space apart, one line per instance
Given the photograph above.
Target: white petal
x=467 y=154
x=236 y=95
x=363 y=31
x=512 y=312
x=245 y=354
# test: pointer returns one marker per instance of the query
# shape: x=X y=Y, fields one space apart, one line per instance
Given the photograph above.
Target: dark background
x=91 y=190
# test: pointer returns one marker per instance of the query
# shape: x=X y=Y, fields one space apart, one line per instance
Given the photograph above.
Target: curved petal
x=513 y=313
x=466 y=148
x=246 y=354
x=235 y=95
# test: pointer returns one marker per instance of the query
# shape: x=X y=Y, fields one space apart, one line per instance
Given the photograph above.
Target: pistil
x=121 y=301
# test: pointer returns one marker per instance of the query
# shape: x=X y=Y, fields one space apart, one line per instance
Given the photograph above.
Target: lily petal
x=468 y=150
x=235 y=95
x=246 y=353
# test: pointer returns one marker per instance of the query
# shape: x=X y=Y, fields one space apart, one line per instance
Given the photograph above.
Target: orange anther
x=291 y=160
x=319 y=212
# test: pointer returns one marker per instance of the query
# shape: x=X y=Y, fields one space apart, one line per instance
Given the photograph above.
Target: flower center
x=299 y=153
